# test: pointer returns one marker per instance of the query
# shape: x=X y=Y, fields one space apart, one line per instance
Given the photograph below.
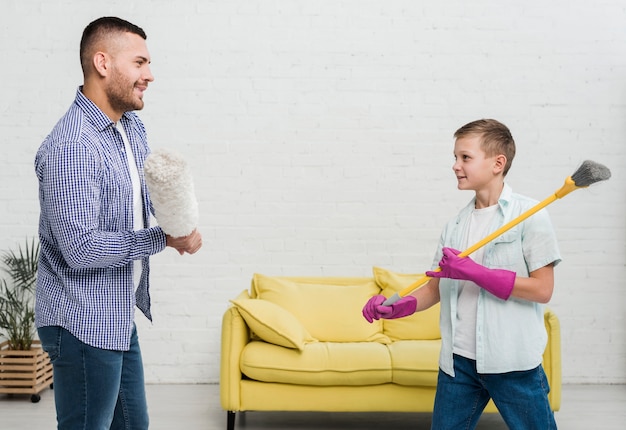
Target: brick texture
x=320 y=138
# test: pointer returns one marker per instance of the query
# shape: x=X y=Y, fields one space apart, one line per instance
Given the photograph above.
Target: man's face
x=130 y=73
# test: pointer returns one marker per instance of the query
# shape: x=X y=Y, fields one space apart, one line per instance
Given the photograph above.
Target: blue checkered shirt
x=88 y=245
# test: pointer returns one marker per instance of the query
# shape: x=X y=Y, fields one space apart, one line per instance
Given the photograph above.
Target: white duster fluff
x=169 y=182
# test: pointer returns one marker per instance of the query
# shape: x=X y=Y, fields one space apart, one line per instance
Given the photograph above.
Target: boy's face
x=473 y=169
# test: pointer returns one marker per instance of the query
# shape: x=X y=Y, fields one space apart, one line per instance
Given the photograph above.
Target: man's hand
x=189 y=244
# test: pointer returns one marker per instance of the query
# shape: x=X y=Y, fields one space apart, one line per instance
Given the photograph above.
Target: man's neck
x=99 y=98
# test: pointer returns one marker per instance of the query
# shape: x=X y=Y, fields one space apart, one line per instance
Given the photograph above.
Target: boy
x=492 y=328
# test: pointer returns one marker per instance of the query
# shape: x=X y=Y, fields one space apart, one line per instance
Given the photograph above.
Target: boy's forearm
x=538 y=287
x=427 y=296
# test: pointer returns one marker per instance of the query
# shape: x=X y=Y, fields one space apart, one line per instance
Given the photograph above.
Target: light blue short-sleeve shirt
x=510 y=335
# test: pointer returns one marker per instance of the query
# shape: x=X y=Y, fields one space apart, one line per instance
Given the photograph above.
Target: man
x=95 y=236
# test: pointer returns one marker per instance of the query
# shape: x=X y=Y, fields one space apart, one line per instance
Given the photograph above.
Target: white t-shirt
x=137 y=197
x=465 y=333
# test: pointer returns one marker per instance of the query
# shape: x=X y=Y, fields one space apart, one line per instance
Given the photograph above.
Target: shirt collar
x=503 y=201
x=505 y=196
x=93 y=112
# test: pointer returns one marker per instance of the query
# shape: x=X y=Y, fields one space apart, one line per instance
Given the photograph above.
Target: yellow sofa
x=302 y=344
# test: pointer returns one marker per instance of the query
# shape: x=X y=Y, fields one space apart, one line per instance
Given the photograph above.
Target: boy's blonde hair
x=496 y=139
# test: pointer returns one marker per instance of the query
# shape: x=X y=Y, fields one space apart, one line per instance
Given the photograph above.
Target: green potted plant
x=17 y=313
x=24 y=367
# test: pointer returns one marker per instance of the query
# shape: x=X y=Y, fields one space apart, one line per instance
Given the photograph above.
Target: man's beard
x=121 y=94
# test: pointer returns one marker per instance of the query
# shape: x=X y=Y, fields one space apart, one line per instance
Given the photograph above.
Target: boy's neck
x=488 y=196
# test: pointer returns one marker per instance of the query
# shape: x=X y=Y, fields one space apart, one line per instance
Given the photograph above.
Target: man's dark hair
x=101 y=28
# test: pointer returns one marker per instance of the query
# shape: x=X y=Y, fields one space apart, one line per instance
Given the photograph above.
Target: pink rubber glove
x=374 y=310
x=498 y=282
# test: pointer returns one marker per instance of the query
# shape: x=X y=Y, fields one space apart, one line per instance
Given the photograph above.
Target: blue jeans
x=95 y=389
x=521 y=398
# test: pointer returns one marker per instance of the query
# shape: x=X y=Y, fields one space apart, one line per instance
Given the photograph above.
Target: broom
x=588 y=173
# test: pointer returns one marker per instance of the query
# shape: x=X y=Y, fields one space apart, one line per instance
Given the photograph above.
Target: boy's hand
x=498 y=282
x=374 y=310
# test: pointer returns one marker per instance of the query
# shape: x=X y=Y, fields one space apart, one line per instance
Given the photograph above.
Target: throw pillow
x=273 y=324
x=330 y=308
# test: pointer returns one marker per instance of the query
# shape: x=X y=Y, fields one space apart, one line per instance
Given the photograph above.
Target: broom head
x=589 y=173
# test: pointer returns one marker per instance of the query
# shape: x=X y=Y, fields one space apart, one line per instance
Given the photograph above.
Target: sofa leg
x=230 y=420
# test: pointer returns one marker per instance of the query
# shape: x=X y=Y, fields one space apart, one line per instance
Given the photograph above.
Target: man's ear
x=101 y=63
x=499 y=164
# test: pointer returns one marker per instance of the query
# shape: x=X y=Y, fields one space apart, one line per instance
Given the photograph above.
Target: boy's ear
x=500 y=162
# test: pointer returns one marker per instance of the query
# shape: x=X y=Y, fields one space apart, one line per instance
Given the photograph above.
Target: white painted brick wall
x=319 y=134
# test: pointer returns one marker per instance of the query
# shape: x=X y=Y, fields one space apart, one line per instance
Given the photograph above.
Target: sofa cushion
x=421 y=325
x=415 y=362
x=272 y=323
x=320 y=363
x=329 y=308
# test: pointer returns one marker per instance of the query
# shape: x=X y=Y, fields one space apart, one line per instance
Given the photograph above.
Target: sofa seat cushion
x=415 y=362
x=321 y=363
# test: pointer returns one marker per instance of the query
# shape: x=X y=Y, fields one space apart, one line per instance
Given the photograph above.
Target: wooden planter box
x=24 y=372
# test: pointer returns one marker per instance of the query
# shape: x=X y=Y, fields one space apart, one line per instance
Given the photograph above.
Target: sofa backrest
x=330 y=308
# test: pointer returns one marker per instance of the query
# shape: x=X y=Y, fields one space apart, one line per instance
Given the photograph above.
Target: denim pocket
x=51 y=341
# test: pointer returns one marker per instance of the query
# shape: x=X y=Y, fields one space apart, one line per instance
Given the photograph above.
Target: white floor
x=196 y=407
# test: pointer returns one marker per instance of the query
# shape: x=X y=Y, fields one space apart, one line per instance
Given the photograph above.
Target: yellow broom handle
x=567 y=188
x=508 y=226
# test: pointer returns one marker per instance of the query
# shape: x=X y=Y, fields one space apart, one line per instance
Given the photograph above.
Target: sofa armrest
x=552 y=358
x=235 y=336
